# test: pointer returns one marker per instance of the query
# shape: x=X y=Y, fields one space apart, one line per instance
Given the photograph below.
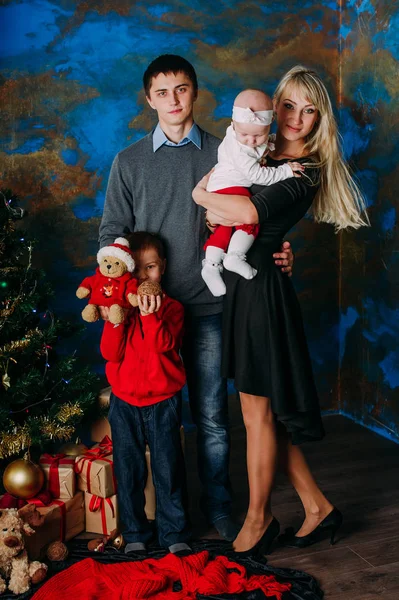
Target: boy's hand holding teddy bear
x=113 y=284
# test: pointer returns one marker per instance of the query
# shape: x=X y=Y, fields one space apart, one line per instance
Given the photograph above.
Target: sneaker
x=227 y=529
x=180 y=549
x=136 y=550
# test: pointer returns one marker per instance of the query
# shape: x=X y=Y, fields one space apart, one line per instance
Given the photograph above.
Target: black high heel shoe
x=330 y=524
x=265 y=542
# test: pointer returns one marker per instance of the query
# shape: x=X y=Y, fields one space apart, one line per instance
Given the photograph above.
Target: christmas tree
x=44 y=395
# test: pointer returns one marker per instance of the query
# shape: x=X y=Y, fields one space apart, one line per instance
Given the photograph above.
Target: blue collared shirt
x=159 y=138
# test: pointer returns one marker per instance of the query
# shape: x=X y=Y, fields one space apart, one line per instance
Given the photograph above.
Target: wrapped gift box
x=63 y=520
x=99 y=429
x=103 y=397
x=60 y=474
x=101 y=514
x=95 y=470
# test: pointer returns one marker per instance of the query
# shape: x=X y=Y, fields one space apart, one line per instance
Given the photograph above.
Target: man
x=149 y=189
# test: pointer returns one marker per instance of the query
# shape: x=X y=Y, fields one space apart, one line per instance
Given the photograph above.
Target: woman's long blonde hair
x=338 y=200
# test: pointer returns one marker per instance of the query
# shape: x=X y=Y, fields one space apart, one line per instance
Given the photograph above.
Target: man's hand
x=285 y=258
x=149 y=304
x=211 y=226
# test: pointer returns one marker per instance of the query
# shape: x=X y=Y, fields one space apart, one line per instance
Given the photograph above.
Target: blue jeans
x=159 y=426
x=202 y=352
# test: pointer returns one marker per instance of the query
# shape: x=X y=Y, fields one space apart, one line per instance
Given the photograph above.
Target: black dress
x=264 y=344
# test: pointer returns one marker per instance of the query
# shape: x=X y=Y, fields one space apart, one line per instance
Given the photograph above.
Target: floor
x=359 y=472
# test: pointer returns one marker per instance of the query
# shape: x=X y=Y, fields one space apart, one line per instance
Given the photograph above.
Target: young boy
x=241 y=163
x=146 y=373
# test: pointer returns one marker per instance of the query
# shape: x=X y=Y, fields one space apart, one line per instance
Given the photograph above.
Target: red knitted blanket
x=154 y=579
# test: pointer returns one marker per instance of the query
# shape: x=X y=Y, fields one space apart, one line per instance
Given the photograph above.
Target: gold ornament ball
x=23 y=479
x=71 y=449
x=118 y=542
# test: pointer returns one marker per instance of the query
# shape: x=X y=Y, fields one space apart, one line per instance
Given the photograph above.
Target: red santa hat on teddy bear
x=119 y=249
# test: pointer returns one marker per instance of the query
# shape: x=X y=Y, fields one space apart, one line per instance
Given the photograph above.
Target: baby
x=246 y=142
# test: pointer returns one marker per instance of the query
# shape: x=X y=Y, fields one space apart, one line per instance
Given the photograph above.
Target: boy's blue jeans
x=159 y=426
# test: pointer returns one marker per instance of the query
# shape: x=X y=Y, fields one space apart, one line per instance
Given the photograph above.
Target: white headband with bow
x=247 y=115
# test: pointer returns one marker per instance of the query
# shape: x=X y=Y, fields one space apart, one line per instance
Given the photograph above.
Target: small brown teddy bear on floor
x=112 y=285
x=14 y=562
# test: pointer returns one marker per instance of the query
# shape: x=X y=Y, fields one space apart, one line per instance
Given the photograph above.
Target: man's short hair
x=143 y=240
x=168 y=63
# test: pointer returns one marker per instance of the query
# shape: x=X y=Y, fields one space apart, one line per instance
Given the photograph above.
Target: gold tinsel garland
x=56 y=431
x=68 y=411
x=14 y=442
x=20 y=344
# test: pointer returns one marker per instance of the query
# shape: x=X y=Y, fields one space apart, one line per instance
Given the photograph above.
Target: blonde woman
x=264 y=346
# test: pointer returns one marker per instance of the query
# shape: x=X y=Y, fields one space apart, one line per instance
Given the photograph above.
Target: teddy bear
x=112 y=285
x=14 y=562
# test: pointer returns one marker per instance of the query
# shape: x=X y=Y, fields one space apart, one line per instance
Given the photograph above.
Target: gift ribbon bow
x=100 y=452
x=54 y=461
x=96 y=503
x=106 y=443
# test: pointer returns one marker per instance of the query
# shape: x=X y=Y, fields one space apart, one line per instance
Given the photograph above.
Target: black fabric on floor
x=304 y=586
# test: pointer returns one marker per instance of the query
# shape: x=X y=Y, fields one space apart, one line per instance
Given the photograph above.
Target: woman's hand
x=200 y=189
x=149 y=304
x=285 y=258
x=212 y=219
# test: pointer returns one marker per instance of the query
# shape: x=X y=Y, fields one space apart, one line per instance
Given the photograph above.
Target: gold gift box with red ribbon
x=101 y=514
x=95 y=470
x=60 y=474
x=62 y=521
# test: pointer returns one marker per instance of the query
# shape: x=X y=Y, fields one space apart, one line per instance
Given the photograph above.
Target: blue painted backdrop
x=71 y=98
x=369 y=260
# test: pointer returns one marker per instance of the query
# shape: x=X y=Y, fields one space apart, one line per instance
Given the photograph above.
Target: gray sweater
x=151 y=191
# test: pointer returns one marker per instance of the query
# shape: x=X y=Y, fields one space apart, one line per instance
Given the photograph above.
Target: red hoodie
x=144 y=364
